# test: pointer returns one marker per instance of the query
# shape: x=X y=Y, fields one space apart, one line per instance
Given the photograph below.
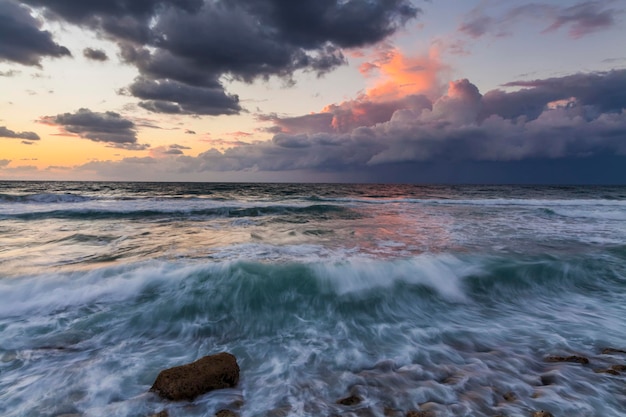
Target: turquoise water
x=411 y=297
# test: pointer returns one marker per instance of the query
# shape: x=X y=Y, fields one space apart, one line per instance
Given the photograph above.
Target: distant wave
x=315 y=211
x=44 y=198
x=476 y=202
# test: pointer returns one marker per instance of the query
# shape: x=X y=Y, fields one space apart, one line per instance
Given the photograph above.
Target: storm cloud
x=565 y=118
x=183 y=48
x=23 y=41
x=108 y=127
x=7 y=133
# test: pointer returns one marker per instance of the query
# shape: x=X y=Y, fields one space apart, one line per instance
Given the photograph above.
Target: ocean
x=446 y=299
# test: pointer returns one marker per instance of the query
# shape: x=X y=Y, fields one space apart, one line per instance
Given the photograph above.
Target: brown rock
x=542 y=414
x=279 y=412
x=420 y=413
x=163 y=413
x=610 y=351
x=607 y=371
x=226 y=413
x=186 y=382
x=573 y=358
x=392 y=412
x=510 y=396
x=613 y=370
x=351 y=400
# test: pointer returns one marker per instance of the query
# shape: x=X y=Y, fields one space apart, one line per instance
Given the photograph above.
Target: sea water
x=433 y=298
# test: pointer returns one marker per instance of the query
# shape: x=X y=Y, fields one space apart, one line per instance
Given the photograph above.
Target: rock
x=611 y=351
x=510 y=396
x=186 y=382
x=416 y=413
x=392 y=412
x=163 y=413
x=613 y=370
x=548 y=379
x=542 y=414
x=279 y=412
x=226 y=413
x=607 y=371
x=573 y=358
x=351 y=400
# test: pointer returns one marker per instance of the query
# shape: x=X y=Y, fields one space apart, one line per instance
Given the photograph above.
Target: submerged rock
x=573 y=358
x=613 y=370
x=510 y=396
x=163 y=413
x=611 y=351
x=607 y=371
x=186 y=382
x=226 y=413
x=392 y=412
x=351 y=400
x=549 y=378
x=420 y=413
x=542 y=414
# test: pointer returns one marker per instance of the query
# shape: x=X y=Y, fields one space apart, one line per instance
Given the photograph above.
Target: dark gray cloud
x=23 y=41
x=250 y=39
x=108 y=127
x=163 y=65
x=4 y=162
x=180 y=46
x=346 y=23
x=7 y=133
x=168 y=96
x=95 y=54
x=581 y=19
x=125 y=19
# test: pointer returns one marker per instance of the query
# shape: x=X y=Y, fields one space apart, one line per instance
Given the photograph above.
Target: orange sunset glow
x=401 y=75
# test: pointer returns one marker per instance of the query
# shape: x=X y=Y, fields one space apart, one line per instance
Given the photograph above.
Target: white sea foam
x=443 y=273
x=57 y=291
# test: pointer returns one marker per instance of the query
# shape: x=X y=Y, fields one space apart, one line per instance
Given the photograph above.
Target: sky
x=440 y=91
